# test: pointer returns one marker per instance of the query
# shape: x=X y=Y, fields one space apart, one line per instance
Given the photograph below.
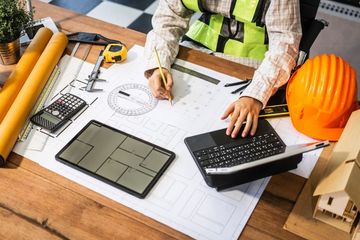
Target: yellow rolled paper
x=20 y=110
x=23 y=69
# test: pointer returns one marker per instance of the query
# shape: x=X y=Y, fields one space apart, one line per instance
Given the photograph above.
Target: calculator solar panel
x=116 y=157
x=59 y=112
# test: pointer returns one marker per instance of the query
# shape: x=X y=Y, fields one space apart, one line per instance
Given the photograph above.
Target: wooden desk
x=38 y=204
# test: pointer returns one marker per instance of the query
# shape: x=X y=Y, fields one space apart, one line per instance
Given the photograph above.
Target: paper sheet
x=180 y=199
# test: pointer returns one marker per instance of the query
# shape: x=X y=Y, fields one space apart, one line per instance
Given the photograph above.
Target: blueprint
x=180 y=199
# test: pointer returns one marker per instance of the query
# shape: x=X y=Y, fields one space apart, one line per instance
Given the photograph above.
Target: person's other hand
x=156 y=84
x=244 y=109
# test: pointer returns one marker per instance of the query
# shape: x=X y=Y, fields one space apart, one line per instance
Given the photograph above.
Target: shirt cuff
x=259 y=90
x=151 y=62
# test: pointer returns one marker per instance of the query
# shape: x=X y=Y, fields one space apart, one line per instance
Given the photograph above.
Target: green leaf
x=13 y=19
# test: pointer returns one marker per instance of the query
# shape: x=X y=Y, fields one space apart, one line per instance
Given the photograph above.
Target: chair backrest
x=308 y=10
x=310 y=26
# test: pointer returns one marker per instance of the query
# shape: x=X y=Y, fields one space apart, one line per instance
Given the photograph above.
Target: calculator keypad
x=62 y=109
x=64 y=106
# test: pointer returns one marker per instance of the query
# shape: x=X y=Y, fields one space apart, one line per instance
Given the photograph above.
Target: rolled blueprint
x=22 y=70
x=19 y=111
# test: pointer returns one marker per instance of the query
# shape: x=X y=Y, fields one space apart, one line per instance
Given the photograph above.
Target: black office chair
x=311 y=28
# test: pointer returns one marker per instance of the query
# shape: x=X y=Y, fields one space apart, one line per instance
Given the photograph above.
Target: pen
x=237 y=83
x=241 y=89
x=124 y=93
x=162 y=74
x=141 y=103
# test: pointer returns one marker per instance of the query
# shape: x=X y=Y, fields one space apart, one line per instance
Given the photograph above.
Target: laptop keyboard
x=240 y=152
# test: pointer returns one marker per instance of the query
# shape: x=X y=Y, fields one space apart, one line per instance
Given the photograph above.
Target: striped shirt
x=282 y=20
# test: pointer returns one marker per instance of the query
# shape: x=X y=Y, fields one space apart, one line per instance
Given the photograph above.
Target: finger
x=249 y=121
x=154 y=91
x=158 y=83
x=158 y=87
x=169 y=81
x=166 y=95
x=231 y=125
x=227 y=112
x=152 y=85
x=254 y=125
x=238 y=125
x=158 y=94
x=169 y=95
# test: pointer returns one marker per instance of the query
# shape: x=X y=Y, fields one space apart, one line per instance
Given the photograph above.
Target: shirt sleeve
x=283 y=25
x=170 y=22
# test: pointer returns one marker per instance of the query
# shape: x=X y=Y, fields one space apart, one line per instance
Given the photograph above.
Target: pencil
x=162 y=74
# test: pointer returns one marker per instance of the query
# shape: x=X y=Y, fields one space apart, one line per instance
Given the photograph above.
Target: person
x=262 y=34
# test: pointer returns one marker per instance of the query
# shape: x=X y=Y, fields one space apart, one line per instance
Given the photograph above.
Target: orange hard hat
x=321 y=95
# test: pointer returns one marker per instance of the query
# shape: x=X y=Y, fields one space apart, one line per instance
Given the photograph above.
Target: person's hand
x=244 y=109
x=156 y=84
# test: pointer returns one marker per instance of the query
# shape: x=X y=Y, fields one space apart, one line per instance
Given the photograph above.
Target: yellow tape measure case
x=115 y=53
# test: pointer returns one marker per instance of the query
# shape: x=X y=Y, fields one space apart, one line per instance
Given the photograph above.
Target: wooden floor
x=38 y=204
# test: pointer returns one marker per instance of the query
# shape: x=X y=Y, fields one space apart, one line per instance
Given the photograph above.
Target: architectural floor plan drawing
x=181 y=198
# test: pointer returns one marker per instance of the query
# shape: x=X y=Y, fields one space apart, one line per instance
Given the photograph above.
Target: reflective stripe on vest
x=244 y=10
x=193 y=5
x=212 y=31
x=206 y=34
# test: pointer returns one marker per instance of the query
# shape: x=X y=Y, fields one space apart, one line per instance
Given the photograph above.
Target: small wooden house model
x=356 y=234
x=339 y=189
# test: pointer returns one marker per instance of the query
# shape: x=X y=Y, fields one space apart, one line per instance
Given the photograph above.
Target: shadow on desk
x=15 y=161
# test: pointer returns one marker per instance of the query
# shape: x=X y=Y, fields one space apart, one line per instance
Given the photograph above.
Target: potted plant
x=14 y=18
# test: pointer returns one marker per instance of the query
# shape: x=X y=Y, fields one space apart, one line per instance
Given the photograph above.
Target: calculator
x=59 y=112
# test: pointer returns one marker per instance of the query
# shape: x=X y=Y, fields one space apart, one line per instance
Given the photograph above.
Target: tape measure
x=274 y=111
x=115 y=53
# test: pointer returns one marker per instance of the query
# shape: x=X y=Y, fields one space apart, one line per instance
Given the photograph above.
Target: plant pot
x=10 y=52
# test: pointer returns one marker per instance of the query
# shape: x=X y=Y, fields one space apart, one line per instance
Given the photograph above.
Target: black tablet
x=117 y=158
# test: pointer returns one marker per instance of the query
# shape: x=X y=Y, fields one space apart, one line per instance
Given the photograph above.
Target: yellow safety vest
x=213 y=30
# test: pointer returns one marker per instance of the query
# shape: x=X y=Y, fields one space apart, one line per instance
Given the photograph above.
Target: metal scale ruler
x=195 y=73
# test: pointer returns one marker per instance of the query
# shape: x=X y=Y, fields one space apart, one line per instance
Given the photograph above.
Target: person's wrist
x=150 y=72
x=260 y=104
x=254 y=100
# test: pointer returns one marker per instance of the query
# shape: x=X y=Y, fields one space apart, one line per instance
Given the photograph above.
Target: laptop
x=226 y=162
